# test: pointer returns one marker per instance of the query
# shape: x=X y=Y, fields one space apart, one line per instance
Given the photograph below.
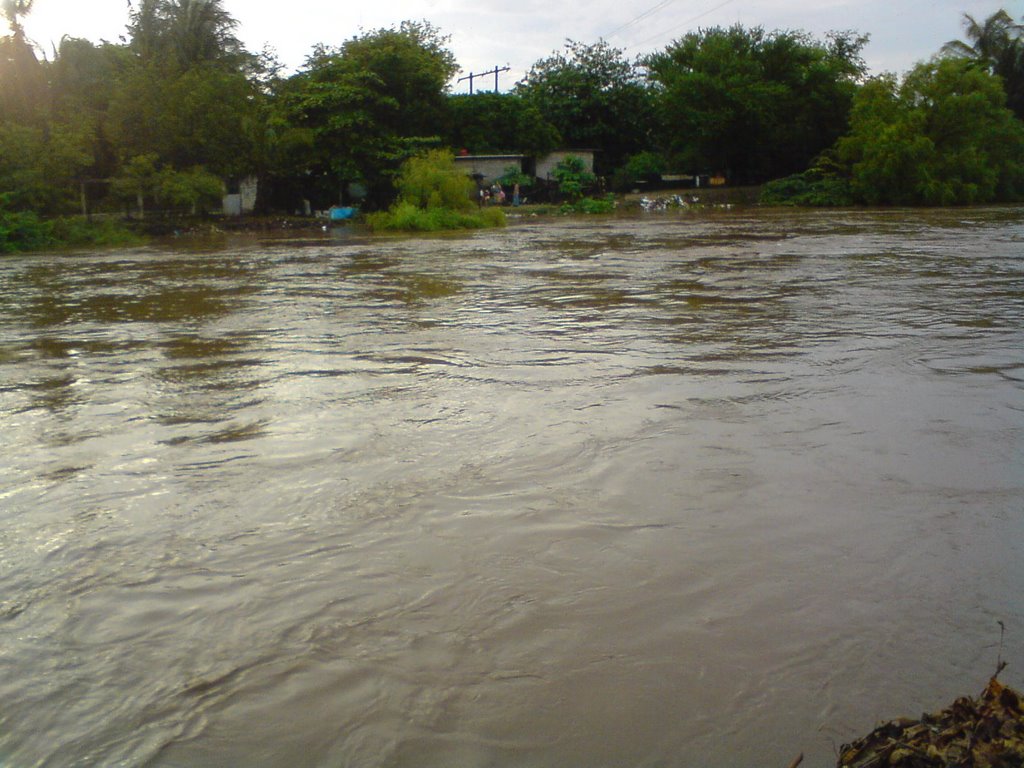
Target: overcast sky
x=496 y=33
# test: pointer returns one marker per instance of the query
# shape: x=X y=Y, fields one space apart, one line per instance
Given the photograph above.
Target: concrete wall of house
x=232 y=205
x=242 y=201
x=489 y=167
x=247 y=188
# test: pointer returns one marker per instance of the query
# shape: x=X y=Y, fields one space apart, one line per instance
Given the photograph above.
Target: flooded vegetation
x=674 y=489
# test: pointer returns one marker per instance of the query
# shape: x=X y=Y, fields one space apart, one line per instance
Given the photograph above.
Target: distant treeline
x=180 y=111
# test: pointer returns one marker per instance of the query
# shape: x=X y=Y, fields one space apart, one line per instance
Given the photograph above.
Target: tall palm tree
x=997 y=43
x=12 y=9
x=187 y=32
x=989 y=38
x=201 y=31
x=23 y=91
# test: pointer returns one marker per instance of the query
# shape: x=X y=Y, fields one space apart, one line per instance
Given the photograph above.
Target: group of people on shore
x=495 y=195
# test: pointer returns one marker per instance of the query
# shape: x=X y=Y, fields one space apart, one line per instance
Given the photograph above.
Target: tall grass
x=406 y=217
x=26 y=231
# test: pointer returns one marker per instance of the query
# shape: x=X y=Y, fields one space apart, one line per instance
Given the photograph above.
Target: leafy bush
x=643 y=166
x=78 y=232
x=941 y=137
x=431 y=180
x=406 y=217
x=573 y=177
x=512 y=176
x=195 y=189
x=23 y=231
x=434 y=196
x=591 y=205
x=808 y=189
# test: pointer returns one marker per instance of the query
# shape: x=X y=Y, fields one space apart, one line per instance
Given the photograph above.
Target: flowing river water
x=667 y=490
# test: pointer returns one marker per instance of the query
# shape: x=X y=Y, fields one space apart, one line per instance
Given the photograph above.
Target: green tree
x=433 y=195
x=941 y=137
x=84 y=79
x=41 y=169
x=184 y=33
x=594 y=98
x=753 y=104
x=194 y=190
x=490 y=123
x=184 y=92
x=431 y=180
x=371 y=103
x=573 y=177
x=997 y=45
x=137 y=180
x=13 y=10
x=23 y=89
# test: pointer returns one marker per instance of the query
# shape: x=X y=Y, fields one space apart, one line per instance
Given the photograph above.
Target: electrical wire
x=639 y=17
x=698 y=17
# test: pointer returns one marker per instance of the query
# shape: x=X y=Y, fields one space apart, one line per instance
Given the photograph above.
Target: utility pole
x=494 y=72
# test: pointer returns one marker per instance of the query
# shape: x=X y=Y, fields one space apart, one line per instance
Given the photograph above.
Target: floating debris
x=986 y=732
x=671 y=201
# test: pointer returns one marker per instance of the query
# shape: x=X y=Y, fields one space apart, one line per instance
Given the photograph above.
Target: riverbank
x=28 y=232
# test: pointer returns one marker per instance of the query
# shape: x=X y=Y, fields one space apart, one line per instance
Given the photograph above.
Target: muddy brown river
x=668 y=490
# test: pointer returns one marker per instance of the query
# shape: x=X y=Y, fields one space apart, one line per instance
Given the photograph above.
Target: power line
x=698 y=17
x=472 y=75
x=639 y=17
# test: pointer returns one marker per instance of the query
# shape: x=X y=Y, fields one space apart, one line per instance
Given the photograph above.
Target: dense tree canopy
x=942 y=137
x=371 y=102
x=997 y=45
x=753 y=104
x=22 y=80
x=181 y=34
x=593 y=97
x=489 y=123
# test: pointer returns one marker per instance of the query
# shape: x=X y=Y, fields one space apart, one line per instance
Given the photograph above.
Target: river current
x=667 y=490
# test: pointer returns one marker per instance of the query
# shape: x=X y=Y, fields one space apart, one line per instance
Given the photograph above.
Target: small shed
x=241 y=197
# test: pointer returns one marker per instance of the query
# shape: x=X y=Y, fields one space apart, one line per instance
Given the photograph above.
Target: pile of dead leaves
x=986 y=732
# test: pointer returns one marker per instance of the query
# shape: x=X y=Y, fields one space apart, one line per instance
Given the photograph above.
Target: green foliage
x=643 y=166
x=512 y=176
x=593 y=97
x=40 y=168
x=573 y=177
x=203 y=116
x=498 y=123
x=372 y=103
x=23 y=231
x=406 y=217
x=431 y=180
x=79 y=232
x=182 y=34
x=752 y=104
x=997 y=45
x=23 y=93
x=807 y=189
x=137 y=181
x=434 y=195
x=26 y=231
x=183 y=89
x=193 y=190
x=590 y=205
x=942 y=137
